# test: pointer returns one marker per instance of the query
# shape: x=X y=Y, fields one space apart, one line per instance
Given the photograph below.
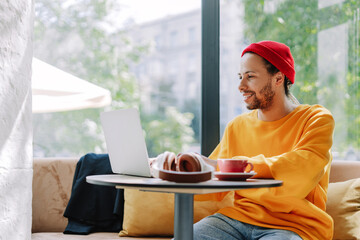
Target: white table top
x=159 y=185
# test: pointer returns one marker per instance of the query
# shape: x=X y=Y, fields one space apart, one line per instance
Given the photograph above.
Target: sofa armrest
x=342 y=170
x=52 y=182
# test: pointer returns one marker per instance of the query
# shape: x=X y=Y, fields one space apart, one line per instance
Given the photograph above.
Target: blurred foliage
x=79 y=37
x=297 y=24
x=192 y=105
x=169 y=131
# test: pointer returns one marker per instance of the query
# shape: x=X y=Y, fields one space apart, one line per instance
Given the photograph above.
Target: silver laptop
x=125 y=142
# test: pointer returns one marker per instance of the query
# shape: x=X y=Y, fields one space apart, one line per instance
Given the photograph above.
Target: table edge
x=275 y=183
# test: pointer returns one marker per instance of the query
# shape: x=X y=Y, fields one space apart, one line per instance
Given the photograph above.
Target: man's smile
x=247 y=95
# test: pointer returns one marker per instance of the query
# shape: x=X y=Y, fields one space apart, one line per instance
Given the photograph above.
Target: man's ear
x=279 y=78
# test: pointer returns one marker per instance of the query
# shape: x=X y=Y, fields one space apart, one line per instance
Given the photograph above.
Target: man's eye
x=250 y=76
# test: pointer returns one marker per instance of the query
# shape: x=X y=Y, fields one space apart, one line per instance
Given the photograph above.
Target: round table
x=184 y=193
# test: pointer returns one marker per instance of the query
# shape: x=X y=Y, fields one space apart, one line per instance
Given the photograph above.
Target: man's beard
x=268 y=96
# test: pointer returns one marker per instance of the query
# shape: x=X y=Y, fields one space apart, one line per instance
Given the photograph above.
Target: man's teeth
x=247 y=96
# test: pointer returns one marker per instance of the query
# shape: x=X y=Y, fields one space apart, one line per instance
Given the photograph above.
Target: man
x=284 y=140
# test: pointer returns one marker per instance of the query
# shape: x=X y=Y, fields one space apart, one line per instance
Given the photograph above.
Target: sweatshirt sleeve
x=301 y=168
x=219 y=152
x=222 y=149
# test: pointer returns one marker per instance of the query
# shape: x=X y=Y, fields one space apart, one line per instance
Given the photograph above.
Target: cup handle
x=251 y=166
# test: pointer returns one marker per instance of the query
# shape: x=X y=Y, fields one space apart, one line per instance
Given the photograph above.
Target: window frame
x=210 y=74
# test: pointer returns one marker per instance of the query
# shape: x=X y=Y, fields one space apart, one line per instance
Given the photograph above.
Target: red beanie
x=277 y=54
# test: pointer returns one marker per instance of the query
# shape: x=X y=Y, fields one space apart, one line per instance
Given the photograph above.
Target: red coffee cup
x=234 y=165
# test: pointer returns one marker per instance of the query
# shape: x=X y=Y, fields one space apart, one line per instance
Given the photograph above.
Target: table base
x=183 y=216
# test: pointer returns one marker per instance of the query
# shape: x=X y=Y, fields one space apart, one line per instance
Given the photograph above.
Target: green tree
x=79 y=36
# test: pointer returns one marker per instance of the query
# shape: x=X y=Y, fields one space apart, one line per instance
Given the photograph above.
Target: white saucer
x=233 y=176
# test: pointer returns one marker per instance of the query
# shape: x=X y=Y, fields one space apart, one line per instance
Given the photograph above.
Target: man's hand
x=209 y=161
x=166 y=160
x=151 y=161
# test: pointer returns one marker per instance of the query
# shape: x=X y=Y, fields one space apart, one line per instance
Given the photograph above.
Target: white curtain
x=16 y=24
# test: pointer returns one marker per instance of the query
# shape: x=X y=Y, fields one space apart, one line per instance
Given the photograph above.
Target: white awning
x=54 y=90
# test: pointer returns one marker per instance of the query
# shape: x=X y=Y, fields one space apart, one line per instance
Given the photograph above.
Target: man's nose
x=242 y=85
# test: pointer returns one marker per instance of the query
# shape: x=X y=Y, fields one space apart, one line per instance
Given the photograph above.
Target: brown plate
x=233 y=176
x=185 y=177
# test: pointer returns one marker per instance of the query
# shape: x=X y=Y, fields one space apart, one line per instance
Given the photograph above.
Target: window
x=158 y=42
x=324 y=40
x=192 y=34
x=123 y=48
x=192 y=63
x=118 y=53
x=173 y=39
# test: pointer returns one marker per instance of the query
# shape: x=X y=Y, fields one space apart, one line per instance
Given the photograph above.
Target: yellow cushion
x=152 y=214
x=343 y=205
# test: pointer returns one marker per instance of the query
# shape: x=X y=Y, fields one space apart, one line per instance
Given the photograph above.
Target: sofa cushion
x=343 y=206
x=92 y=236
x=52 y=183
x=152 y=214
x=342 y=170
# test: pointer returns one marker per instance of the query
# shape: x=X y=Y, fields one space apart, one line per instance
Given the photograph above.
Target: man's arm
x=210 y=161
x=301 y=168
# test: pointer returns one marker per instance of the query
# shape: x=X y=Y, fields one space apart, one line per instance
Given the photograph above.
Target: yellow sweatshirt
x=294 y=149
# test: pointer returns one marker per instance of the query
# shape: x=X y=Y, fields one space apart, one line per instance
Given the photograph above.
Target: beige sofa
x=52 y=183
